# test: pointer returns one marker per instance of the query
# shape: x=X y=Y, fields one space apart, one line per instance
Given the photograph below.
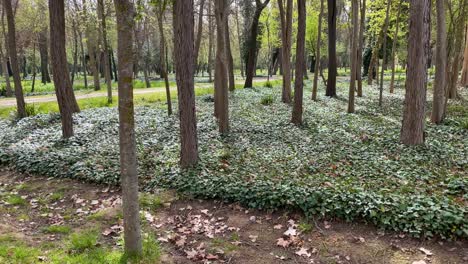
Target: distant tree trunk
x=63 y=87
x=441 y=65
x=230 y=60
x=317 y=55
x=286 y=37
x=464 y=76
x=4 y=59
x=385 y=29
x=199 y=33
x=252 y=43
x=33 y=83
x=75 y=51
x=44 y=54
x=300 y=63
x=360 y=48
x=221 y=70
x=83 y=61
x=332 y=65
x=183 y=52
x=412 y=131
x=162 y=53
x=114 y=67
x=373 y=65
x=354 y=54
x=90 y=45
x=105 y=49
x=395 y=40
x=239 y=40
x=128 y=159
x=20 y=104
x=210 y=41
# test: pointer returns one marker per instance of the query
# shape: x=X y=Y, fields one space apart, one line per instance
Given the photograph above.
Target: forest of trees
x=120 y=41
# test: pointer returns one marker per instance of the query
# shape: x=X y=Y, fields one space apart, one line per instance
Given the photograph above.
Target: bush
x=267 y=100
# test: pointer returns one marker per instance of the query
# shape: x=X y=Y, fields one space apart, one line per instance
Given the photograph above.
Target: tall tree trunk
x=441 y=65
x=105 y=49
x=373 y=65
x=114 y=67
x=412 y=130
x=90 y=45
x=33 y=83
x=239 y=39
x=20 y=104
x=4 y=59
x=300 y=63
x=252 y=43
x=221 y=70
x=63 y=87
x=128 y=159
x=332 y=66
x=162 y=53
x=395 y=40
x=464 y=76
x=286 y=37
x=75 y=51
x=199 y=33
x=183 y=52
x=230 y=60
x=44 y=54
x=362 y=29
x=354 y=54
x=83 y=61
x=385 y=29
x=317 y=54
x=210 y=41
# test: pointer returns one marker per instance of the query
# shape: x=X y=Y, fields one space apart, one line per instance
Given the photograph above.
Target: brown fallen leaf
x=278 y=226
x=426 y=251
x=282 y=242
x=290 y=232
x=419 y=262
x=192 y=254
x=253 y=238
x=303 y=252
x=211 y=257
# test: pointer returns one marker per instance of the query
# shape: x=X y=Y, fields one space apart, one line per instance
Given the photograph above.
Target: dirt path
x=197 y=231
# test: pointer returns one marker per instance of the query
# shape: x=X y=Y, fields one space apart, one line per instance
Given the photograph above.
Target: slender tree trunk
x=412 y=131
x=239 y=40
x=105 y=50
x=300 y=63
x=90 y=45
x=128 y=159
x=354 y=54
x=441 y=65
x=373 y=65
x=286 y=37
x=83 y=61
x=221 y=70
x=33 y=68
x=464 y=76
x=183 y=52
x=230 y=60
x=395 y=41
x=199 y=33
x=62 y=83
x=252 y=43
x=20 y=104
x=385 y=29
x=332 y=65
x=75 y=51
x=4 y=59
x=317 y=54
x=162 y=58
x=210 y=41
x=114 y=67
x=360 y=48
x=44 y=54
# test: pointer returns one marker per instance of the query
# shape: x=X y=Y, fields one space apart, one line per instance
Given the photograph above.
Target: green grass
x=79 y=242
x=16 y=200
x=150 y=201
x=57 y=229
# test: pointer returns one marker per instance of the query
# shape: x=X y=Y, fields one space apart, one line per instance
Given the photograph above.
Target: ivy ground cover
x=349 y=166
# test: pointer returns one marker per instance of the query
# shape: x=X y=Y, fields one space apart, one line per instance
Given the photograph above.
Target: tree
x=286 y=37
x=4 y=58
x=385 y=29
x=161 y=8
x=354 y=54
x=125 y=14
x=210 y=41
x=105 y=49
x=361 y=47
x=183 y=52
x=44 y=57
x=199 y=32
x=221 y=69
x=412 y=130
x=91 y=46
x=332 y=65
x=20 y=104
x=440 y=65
x=63 y=87
x=317 y=54
x=300 y=63
x=395 y=40
x=464 y=76
x=252 y=43
x=230 y=60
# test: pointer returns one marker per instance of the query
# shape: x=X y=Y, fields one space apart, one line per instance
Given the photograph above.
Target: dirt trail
x=198 y=231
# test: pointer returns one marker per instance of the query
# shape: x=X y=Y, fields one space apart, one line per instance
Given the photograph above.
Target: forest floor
x=49 y=220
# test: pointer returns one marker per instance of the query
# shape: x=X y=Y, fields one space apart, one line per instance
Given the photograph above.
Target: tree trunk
x=221 y=70
x=360 y=48
x=75 y=51
x=441 y=66
x=252 y=43
x=230 y=60
x=183 y=52
x=44 y=54
x=63 y=87
x=83 y=61
x=199 y=33
x=210 y=41
x=90 y=45
x=395 y=40
x=239 y=40
x=162 y=53
x=412 y=130
x=4 y=59
x=128 y=158
x=385 y=29
x=354 y=54
x=317 y=55
x=20 y=104
x=464 y=76
x=286 y=37
x=105 y=49
x=332 y=71
x=300 y=63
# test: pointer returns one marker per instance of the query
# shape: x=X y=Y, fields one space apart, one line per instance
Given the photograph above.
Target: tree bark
x=105 y=49
x=183 y=52
x=395 y=40
x=385 y=29
x=286 y=37
x=332 y=65
x=300 y=63
x=361 y=47
x=63 y=87
x=317 y=54
x=90 y=45
x=162 y=53
x=210 y=41
x=354 y=54
x=20 y=104
x=199 y=33
x=239 y=40
x=252 y=43
x=230 y=60
x=4 y=59
x=412 y=130
x=464 y=76
x=441 y=66
x=44 y=54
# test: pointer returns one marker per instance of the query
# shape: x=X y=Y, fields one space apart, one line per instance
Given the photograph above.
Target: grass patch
x=16 y=200
x=57 y=229
x=150 y=201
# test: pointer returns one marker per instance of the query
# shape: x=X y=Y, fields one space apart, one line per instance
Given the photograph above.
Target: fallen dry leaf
x=253 y=238
x=426 y=251
x=303 y=252
x=282 y=242
x=278 y=226
x=290 y=232
x=419 y=262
